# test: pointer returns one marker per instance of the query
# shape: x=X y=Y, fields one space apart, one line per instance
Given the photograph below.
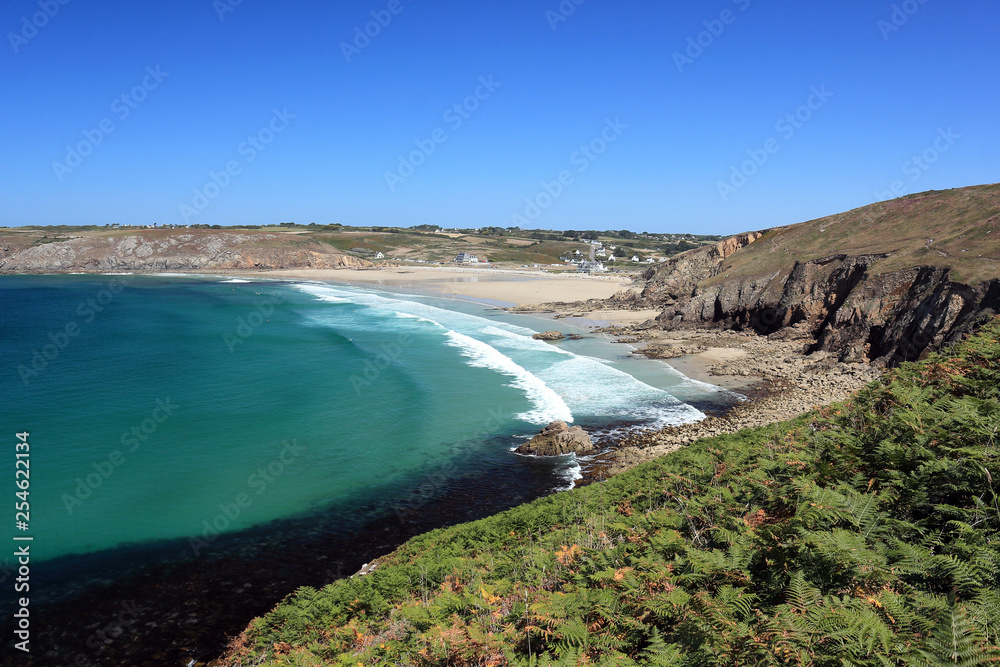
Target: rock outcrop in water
x=172 y=250
x=556 y=439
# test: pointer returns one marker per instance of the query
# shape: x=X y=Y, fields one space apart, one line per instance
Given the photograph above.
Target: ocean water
x=171 y=417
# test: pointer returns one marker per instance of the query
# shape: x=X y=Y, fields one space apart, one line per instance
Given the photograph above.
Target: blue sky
x=647 y=115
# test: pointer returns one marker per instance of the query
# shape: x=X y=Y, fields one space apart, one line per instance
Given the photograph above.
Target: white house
x=612 y=258
x=591 y=267
x=635 y=258
x=466 y=258
x=379 y=255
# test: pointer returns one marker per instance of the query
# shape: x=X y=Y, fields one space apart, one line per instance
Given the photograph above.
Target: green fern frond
x=955 y=641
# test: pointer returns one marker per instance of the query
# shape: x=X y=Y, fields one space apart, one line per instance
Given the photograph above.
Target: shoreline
x=187 y=609
x=780 y=381
x=772 y=371
x=216 y=591
x=506 y=288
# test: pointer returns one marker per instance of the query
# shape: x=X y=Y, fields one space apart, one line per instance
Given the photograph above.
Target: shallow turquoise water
x=174 y=407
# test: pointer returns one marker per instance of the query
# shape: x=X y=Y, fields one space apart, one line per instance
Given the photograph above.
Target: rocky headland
x=150 y=251
x=804 y=315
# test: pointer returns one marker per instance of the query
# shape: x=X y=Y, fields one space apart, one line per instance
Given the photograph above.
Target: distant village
x=594 y=263
x=585 y=251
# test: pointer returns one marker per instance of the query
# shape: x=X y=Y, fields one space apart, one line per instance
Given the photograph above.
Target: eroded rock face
x=678 y=277
x=557 y=439
x=549 y=335
x=845 y=303
x=180 y=250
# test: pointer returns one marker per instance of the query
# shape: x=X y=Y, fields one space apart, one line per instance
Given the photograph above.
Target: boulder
x=557 y=439
x=549 y=335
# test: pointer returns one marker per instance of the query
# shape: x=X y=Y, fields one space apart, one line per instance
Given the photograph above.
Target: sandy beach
x=499 y=287
x=774 y=371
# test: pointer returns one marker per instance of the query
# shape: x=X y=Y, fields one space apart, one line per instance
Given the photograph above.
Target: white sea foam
x=389 y=307
x=408 y=316
x=236 y=280
x=558 y=382
x=592 y=387
x=330 y=298
x=548 y=404
x=570 y=474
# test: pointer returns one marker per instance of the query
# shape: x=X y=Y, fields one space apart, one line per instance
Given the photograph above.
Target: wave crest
x=548 y=404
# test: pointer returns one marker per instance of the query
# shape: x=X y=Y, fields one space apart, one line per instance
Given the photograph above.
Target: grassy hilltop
x=420 y=244
x=882 y=283
x=955 y=229
x=864 y=534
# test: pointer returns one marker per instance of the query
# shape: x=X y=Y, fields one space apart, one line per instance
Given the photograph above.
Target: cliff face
x=890 y=317
x=680 y=275
x=171 y=251
x=856 y=305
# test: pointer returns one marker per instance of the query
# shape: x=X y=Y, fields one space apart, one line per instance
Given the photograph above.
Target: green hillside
x=865 y=534
x=957 y=229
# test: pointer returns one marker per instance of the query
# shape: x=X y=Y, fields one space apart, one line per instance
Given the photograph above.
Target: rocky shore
x=779 y=379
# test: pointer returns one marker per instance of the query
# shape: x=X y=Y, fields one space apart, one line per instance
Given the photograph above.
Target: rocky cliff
x=169 y=250
x=883 y=283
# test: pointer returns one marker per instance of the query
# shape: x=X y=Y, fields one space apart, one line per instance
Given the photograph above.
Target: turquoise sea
x=187 y=419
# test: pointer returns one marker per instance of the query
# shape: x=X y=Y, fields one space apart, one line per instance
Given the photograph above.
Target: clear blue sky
x=682 y=126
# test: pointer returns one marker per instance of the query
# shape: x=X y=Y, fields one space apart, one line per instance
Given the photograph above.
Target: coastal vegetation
x=865 y=533
x=957 y=229
x=420 y=244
